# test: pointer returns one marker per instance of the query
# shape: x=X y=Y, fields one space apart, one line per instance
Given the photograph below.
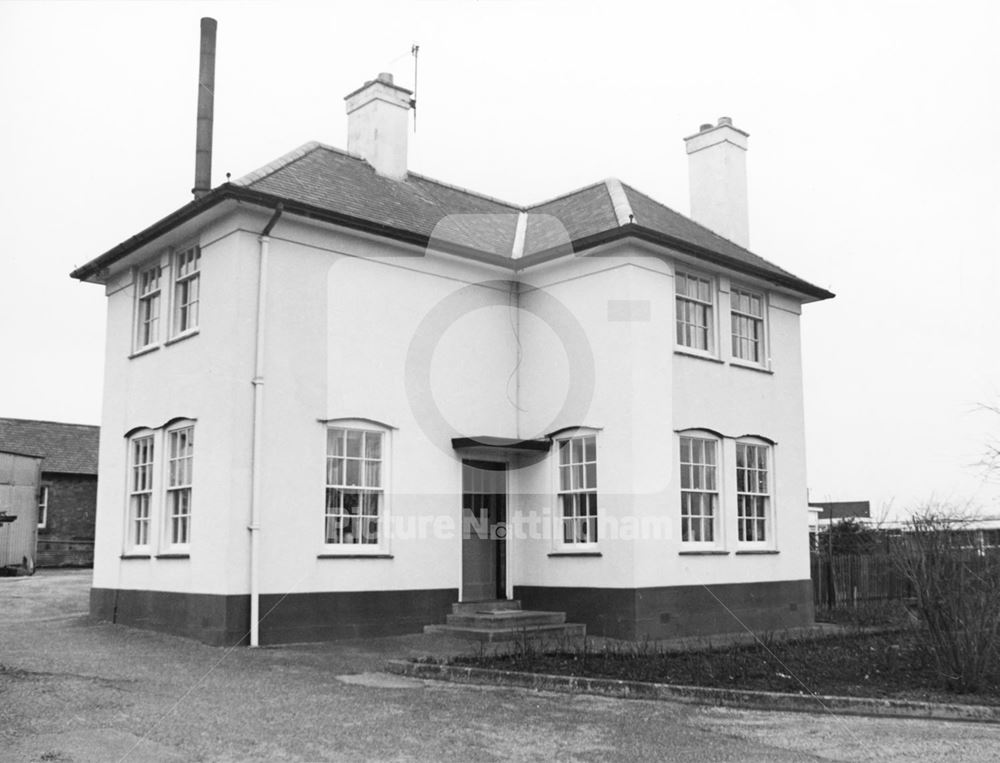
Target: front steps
x=504 y=620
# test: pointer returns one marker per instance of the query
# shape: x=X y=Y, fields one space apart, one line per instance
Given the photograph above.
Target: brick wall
x=68 y=536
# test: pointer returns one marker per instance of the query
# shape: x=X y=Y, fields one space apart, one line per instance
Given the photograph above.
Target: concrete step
x=505 y=618
x=466 y=607
x=532 y=632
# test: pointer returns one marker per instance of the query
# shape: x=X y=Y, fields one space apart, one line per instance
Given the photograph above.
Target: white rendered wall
x=342 y=314
x=644 y=393
x=205 y=377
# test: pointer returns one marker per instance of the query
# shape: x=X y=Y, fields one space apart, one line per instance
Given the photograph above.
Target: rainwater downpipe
x=258 y=438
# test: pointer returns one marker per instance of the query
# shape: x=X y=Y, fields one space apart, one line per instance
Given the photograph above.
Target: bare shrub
x=956 y=584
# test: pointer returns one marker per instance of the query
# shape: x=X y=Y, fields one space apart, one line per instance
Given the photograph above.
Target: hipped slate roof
x=64 y=448
x=328 y=184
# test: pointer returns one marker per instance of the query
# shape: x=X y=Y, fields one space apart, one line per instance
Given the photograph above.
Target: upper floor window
x=147 y=319
x=753 y=494
x=694 y=304
x=140 y=490
x=187 y=275
x=747 y=310
x=180 y=474
x=355 y=500
x=578 y=489
x=699 y=489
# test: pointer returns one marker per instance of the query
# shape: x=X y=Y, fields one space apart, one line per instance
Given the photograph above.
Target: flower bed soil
x=891 y=665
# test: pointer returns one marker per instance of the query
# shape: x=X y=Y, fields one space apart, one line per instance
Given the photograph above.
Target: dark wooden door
x=484 y=516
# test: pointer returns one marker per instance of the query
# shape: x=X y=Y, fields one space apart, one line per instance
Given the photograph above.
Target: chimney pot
x=706 y=126
x=725 y=121
x=385 y=77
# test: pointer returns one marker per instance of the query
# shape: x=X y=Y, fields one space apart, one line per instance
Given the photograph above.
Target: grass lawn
x=855 y=663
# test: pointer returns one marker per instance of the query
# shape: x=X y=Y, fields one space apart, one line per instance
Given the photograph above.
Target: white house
x=341 y=396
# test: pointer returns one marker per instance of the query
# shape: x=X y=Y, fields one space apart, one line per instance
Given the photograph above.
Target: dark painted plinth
x=216 y=620
x=333 y=616
x=678 y=611
x=225 y=620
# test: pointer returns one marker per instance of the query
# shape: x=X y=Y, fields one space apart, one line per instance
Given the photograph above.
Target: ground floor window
x=140 y=490
x=699 y=489
x=578 y=489
x=752 y=492
x=354 y=487
x=179 y=482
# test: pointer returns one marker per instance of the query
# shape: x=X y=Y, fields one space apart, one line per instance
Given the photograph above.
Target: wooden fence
x=851 y=579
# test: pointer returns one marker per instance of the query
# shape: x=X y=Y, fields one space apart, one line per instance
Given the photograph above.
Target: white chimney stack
x=378 y=124
x=717 y=166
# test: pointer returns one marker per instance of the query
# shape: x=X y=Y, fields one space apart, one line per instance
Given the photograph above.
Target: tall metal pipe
x=206 y=110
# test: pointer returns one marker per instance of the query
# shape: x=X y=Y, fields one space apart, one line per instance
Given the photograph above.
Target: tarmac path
x=74 y=690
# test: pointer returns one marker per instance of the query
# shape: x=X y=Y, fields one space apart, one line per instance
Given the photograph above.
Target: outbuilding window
x=43 y=507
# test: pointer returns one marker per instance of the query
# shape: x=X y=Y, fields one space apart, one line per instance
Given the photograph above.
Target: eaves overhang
x=239 y=193
x=648 y=235
x=242 y=194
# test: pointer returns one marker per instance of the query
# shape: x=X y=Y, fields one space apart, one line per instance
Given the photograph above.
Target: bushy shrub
x=956 y=586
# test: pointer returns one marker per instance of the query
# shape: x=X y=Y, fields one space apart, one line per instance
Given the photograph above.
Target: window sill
x=704 y=552
x=696 y=354
x=135 y=556
x=355 y=556
x=144 y=351
x=181 y=337
x=173 y=556
x=575 y=553
x=758 y=551
x=736 y=363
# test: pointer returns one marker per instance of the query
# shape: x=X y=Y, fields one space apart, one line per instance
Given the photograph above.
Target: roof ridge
x=46 y=421
x=581 y=189
x=282 y=161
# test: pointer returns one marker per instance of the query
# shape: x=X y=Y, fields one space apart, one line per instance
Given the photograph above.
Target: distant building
x=19 y=480
x=66 y=495
x=822 y=512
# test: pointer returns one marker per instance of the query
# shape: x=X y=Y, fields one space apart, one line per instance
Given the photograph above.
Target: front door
x=484 y=532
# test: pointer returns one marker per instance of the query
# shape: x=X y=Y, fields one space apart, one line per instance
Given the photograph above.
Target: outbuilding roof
x=64 y=448
x=326 y=183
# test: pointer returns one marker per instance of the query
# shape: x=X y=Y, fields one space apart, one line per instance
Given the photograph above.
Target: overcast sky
x=874 y=165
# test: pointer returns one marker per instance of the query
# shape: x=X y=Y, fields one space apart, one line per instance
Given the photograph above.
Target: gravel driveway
x=72 y=689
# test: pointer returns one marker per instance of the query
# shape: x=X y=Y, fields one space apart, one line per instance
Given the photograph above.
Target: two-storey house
x=341 y=396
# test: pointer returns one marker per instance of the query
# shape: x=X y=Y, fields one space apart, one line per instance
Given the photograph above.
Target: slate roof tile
x=326 y=181
x=65 y=448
